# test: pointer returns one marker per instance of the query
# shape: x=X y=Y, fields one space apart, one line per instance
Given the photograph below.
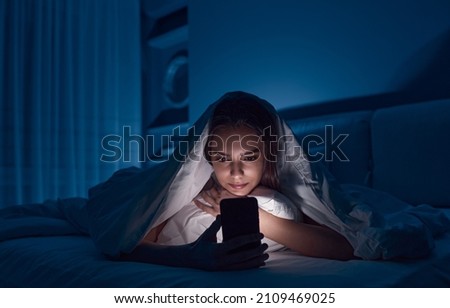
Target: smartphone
x=239 y=217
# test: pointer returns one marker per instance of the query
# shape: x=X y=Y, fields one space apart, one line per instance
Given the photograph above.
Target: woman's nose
x=236 y=169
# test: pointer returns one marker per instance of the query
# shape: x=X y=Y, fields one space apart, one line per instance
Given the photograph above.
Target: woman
x=242 y=150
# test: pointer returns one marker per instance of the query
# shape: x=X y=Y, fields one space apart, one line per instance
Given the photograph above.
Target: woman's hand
x=212 y=198
x=206 y=253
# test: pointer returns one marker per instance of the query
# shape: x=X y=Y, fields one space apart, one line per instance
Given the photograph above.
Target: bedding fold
x=50 y=218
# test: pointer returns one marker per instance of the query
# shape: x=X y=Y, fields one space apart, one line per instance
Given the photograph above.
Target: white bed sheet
x=73 y=261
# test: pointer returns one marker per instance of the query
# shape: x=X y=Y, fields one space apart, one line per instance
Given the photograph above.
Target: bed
x=74 y=261
x=50 y=252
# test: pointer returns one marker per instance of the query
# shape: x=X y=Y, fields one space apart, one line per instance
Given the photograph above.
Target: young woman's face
x=237 y=157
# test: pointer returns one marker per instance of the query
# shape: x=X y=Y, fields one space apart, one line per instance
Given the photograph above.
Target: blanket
x=119 y=212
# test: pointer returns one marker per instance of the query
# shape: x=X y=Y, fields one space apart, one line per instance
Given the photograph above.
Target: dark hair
x=237 y=109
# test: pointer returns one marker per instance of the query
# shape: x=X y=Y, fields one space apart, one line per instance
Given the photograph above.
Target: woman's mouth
x=237 y=186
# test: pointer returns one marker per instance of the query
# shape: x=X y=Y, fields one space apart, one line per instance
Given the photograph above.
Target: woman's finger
x=208 y=198
x=208 y=236
x=240 y=259
x=215 y=194
x=250 y=263
x=232 y=246
x=206 y=208
x=210 y=233
x=240 y=241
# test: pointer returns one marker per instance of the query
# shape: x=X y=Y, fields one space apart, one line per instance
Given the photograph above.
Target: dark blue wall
x=303 y=52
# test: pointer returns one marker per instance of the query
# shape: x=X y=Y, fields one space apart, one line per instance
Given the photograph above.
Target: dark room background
x=69 y=76
x=73 y=72
x=306 y=52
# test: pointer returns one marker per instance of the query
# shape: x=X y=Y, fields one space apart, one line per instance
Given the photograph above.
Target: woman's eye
x=220 y=158
x=250 y=158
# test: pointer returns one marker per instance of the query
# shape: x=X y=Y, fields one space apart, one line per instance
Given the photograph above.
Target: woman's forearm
x=306 y=239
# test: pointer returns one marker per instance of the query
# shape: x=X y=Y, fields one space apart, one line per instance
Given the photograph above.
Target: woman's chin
x=239 y=193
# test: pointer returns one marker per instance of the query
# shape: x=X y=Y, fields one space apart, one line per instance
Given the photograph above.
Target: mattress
x=73 y=261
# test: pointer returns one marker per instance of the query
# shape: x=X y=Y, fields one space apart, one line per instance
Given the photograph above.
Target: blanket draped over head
x=119 y=212
x=122 y=210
